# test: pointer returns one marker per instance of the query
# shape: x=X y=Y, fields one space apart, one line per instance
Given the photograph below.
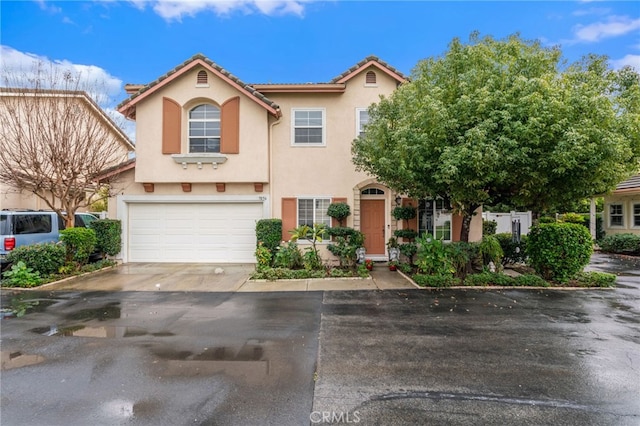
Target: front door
x=372 y=225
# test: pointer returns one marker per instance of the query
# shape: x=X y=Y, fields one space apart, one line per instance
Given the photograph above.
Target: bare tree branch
x=56 y=140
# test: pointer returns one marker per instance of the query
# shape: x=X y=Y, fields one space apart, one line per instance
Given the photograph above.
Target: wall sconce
x=398 y=200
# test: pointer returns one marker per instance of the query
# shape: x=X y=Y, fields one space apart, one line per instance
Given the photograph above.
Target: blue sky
x=292 y=41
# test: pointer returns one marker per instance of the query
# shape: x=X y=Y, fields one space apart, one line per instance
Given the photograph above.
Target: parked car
x=25 y=227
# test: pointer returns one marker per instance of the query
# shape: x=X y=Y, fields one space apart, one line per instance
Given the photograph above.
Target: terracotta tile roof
x=629 y=184
x=214 y=67
x=369 y=60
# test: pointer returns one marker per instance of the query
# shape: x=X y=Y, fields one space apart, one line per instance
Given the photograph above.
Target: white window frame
x=326 y=220
x=204 y=121
x=621 y=215
x=635 y=215
x=293 y=127
x=358 y=122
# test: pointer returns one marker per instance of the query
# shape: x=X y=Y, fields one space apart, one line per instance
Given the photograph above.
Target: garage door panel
x=183 y=232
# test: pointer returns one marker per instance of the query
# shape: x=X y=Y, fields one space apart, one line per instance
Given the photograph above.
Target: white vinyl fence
x=505 y=221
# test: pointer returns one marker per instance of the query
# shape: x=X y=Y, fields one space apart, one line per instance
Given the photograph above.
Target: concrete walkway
x=180 y=277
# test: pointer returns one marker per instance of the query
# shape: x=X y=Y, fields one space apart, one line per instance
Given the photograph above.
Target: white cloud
x=613 y=27
x=591 y=11
x=631 y=60
x=17 y=68
x=176 y=9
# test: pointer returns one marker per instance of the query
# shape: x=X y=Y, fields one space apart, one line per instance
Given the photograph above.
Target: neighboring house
x=214 y=155
x=13 y=198
x=622 y=208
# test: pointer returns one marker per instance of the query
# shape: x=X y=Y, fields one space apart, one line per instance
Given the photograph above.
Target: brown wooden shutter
x=230 y=126
x=171 y=123
x=289 y=217
x=334 y=222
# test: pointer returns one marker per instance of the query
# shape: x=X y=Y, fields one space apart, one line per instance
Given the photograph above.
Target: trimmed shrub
x=108 y=236
x=79 y=243
x=437 y=281
x=340 y=231
x=572 y=218
x=269 y=233
x=595 y=279
x=408 y=234
x=487 y=278
x=513 y=252
x=530 y=280
x=621 y=243
x=339 y=211
x=489 y=227
x=404 y=212
x=558 y=251
x=45 y=259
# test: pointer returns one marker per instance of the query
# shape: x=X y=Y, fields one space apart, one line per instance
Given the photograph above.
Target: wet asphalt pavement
x=395 y=357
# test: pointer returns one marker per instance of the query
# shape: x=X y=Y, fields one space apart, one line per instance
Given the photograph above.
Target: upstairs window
x=202 y=78
x=362 y=118
x=204 y=128
x=308 y=127
x=370 y=78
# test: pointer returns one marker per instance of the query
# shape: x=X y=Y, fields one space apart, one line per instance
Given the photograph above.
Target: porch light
x=398 y=200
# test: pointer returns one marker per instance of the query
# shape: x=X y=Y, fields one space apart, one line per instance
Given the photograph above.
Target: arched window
x=372 y=191
x=204 y=128
x=202 y=78
x=370 y=78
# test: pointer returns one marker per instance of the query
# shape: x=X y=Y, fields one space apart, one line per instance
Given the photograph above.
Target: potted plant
x=369 y=264
x=393 y=265
x=393 y=249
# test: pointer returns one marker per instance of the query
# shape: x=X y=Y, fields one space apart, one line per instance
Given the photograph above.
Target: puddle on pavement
x=109 y=311
x=98 y=332
x=246 y=361
x=9 y=360
x=19 y=306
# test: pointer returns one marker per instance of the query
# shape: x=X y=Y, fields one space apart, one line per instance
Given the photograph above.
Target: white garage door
x=214 y=232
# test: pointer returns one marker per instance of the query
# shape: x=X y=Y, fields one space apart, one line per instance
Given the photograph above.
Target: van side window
x=32 y=224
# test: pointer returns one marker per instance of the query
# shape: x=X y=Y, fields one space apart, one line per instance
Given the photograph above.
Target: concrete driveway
x=198 y=277
x=396 y=357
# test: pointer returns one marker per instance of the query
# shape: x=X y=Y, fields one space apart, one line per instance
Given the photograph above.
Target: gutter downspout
x=270 y=164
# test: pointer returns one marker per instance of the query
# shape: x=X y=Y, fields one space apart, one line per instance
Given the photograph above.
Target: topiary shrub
x=339 y=211
x=513 y=252
x=79 y=243
x=45 y=259
x=269 y=233
x=404 y=212
x=489 y=227
x=408 y=234
x=557 y=251
x=108 y=236
x=621 y=243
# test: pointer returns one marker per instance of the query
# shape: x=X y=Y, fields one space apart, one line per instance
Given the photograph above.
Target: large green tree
x=505 y=121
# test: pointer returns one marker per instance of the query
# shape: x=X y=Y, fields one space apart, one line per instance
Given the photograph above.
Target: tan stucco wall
x=327 y=170
x=12 y=199
x=250 y=165
x=627 y=201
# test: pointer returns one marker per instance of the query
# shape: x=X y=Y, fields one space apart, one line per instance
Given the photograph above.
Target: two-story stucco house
x=215 y=154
